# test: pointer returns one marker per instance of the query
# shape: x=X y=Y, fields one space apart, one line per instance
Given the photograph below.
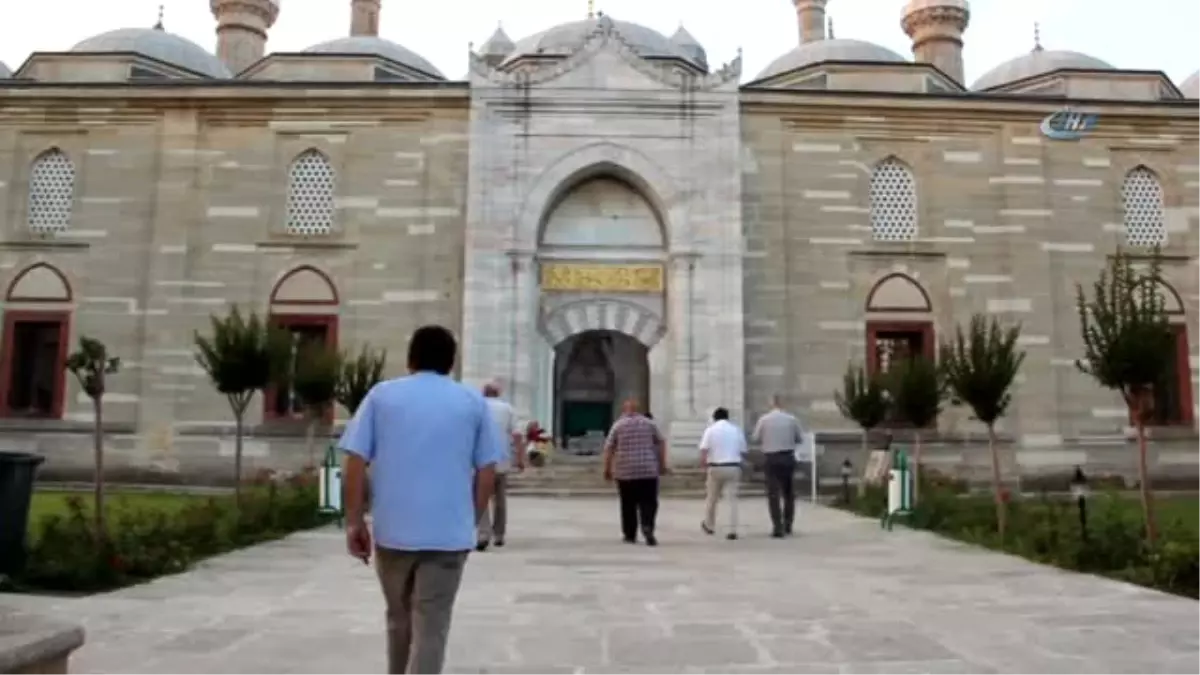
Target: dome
x=499 y=44
x=687 y=44
x=374 y=46
x=565 y=38
x=1037 y=62
x=1191 y=86
x=4 y=71
x=157 y=44
x=830 y=50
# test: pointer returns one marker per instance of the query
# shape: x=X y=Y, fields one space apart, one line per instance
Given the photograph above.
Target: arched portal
x=595 y=371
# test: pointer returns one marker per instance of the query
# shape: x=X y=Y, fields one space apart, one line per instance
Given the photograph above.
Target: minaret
x=936 y=28
x=810 y=14
x=364 y=17
x=242 y=30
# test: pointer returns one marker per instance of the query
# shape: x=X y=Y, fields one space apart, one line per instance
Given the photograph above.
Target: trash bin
x=16 y=491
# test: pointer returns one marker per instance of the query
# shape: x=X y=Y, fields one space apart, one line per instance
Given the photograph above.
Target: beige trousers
x=419 y=588
x=722 y=481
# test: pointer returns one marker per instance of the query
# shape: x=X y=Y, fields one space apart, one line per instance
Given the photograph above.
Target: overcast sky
x=1161 y=35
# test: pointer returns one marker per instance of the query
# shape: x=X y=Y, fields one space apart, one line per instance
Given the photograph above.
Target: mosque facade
x=597 y=211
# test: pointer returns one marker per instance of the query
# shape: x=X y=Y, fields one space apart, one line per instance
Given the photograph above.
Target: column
x=523 y=374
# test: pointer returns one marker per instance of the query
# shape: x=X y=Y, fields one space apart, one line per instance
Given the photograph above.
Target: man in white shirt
x=494 y=521
x=722 y=449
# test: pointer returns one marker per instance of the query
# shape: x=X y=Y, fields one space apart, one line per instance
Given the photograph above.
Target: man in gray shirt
x=779 y=433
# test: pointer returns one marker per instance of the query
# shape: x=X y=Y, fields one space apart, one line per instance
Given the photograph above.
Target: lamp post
x=1079 y=491
x=847 y=469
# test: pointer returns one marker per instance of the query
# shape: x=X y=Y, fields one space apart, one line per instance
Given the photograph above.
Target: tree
x=314 y=382
x=979 y=370
x=92 y=365
x=916 y=390
x=862 y=399
x=241 y=356
x=1128 y=347
x=359 y=374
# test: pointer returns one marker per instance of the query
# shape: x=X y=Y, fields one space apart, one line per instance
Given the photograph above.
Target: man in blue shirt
x=431 y=445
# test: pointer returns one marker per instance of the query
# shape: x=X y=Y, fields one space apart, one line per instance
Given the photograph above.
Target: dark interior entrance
x=595 y=371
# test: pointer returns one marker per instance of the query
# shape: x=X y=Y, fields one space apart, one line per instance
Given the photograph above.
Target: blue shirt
x=424 y=436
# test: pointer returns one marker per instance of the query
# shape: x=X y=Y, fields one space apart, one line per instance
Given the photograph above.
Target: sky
x=1161 y=36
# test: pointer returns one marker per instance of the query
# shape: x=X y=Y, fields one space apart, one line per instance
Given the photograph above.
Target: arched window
x=311 y=182
x=899 y=323
x=893 y=201
x=37 y=317
x=304 y=303
x=1142 y=204
x=51 y=192
x=1173 y=399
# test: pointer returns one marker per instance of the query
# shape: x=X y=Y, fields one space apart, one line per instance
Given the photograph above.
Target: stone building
x=597 y=212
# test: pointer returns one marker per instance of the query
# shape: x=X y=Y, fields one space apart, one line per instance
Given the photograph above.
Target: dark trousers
x=639 y=505
x=419 y=588
x=780 y=473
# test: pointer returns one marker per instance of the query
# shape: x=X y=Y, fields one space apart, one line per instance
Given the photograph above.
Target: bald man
x=493 y=522
x=779 y=432
x=636 y=456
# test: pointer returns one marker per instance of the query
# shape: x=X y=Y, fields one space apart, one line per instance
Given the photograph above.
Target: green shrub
x=144 y=543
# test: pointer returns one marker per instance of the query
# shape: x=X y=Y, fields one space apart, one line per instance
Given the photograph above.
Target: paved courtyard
x=567 y=595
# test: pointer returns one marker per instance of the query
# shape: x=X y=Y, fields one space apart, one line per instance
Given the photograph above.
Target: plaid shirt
x=634 y=440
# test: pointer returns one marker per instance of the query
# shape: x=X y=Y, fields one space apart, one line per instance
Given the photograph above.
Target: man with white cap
x=494 y=521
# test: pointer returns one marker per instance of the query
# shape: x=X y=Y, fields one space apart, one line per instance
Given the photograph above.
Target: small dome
x=374 y=46
x=565 y=38
x=1191 y=86
x=4 y=71
x=157 y=44
x=690 y=46
x=1037 y=62
x=499 y=44
x=830 y=50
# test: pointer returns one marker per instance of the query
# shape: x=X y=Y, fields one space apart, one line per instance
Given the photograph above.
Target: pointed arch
x=39 y=282
x=898 y=292
x=51 y=192
x=893 y=201
x=304 y=285
x=312 y=182
x=1143 y=208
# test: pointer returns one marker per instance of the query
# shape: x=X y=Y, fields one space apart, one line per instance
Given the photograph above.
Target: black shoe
x=499 y=543
x=732 y=536
x=777 y=534
x=704 y=526
x=651 y=540
x=629 y=540
x=787 y=532
x=481 y=546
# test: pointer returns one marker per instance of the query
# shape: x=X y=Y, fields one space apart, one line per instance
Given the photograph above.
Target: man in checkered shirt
x=635 y=455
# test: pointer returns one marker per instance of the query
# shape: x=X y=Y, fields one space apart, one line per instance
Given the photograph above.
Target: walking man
x=493 y=524
x=779 y=433
x=635 y=455
x=722 y=449
x=432 y=447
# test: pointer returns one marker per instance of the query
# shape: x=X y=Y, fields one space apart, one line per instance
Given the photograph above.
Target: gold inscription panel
x=610 y=278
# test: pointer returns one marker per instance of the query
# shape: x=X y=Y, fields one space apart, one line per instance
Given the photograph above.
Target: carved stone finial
x=159 y=24
x=830 y=30
x=1037 y=36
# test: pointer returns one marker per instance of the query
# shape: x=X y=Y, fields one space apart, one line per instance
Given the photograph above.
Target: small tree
x=862 y=399
x=917 y=392
x=92 y=365
x=359 y=374
x=241 y=356
x=315 y=383
x=980 y=368
x=1127 y=347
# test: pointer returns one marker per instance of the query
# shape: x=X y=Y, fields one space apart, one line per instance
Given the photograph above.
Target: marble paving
x=566 y=595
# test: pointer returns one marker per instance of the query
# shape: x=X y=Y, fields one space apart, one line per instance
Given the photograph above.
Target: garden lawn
x=54 y=503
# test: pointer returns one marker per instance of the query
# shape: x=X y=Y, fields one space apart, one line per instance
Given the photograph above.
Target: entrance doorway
x=595 y=371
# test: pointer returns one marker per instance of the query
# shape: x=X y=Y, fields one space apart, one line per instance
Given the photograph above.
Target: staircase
x=567 y=475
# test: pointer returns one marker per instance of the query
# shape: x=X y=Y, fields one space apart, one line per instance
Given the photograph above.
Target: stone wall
x=179 y=213
x=1008 y=222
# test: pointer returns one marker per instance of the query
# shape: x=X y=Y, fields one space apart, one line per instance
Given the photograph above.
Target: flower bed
x=1047 y=530
x=146 y=540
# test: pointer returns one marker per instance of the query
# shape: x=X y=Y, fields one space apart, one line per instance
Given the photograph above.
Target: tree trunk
x=916 y=467
x=997 y=485
x=1144 y=472
x=237 y=459
x=309 y=437
x=865 y=459
x=98 y=455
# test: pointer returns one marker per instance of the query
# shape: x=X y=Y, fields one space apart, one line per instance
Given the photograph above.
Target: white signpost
x=809 y=451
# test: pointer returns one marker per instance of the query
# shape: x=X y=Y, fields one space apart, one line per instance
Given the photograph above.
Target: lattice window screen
x=310 y=195
x=51 y=193
x=1142 y=199
x=893 y=202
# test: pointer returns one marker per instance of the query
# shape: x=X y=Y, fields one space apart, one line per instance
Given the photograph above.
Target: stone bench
x=30 y=644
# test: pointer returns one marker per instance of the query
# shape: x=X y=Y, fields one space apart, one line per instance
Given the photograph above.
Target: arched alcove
x=37 y=330
x=40 y=282
x=898 y=292
x=899 y=322
x=602 y=211
x=303 y=303
x=304 y=285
